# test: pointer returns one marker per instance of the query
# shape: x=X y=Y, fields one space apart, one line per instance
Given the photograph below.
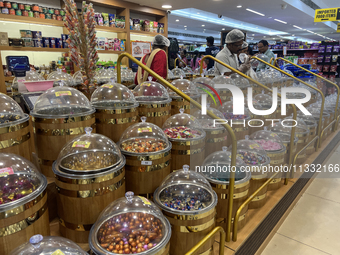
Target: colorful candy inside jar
x=269 y=145
x=227 y=109
x=251 y=158
x=143 y=145
x=181 y=132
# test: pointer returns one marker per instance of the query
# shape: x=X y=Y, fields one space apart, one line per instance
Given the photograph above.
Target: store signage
x=338 y=29
x=323 y=15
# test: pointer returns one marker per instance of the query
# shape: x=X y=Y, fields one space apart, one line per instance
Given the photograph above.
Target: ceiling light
x=222 y=19
x=203 y=25
x=203 y=29
x=253 y=34
x=166 y=6
x=198 y=13
x=177 y=20
x=293 y=35
x=223 y=28
x=284 y=22
x=185 y=26
x=185 y=29
x=297 y=27
x=270 y=17
x=239 y=6
x=258 y=13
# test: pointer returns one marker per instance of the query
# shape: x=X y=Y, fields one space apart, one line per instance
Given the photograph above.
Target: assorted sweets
x=10 y=112
x=268 y=140
x=185 y=191
x=143 y=145
x=130 y=225
x=227 y=110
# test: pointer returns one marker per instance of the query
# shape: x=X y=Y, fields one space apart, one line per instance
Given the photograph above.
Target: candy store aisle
x=312 y=227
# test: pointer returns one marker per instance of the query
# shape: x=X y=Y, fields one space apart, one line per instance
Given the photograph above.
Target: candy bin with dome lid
x=187 y=138
x=210 y=73
x=265 y=101
x=51 y=245
x=188 y=202
x=204 y=84
x=154 y=102
x=131 y=225
x=238 y=122
x=302 y=133
x=179 y=102
x=89 y=171
x=59 y=115
x=58 y=75
x=178 y=73
x=273 y=145
x=216 y=134
x=116 y=109
x=315 y=111
x=30 y=76
x=225 y=94
x=216 y=168
x=15 y=133
x=171 y=76
x=241 y=83
x=147 y=152
x=256 y=160
x=188 y=72
x=23 y=202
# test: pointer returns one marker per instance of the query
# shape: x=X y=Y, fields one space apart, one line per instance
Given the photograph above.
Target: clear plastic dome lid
x=222 y=79
x=308 y=119
x=269 y=141
x=250 y=146
x=61 y=76
x=227 y=110
x=178 y=73
x=185 y=86
x=10 y=112
x=88 y=154
x=185 y=192
x=170 y=75
x=203 y=83
x=143 y=138
x=239 y=81
x=206 y=121
x=30 y=76
x=48 y=245
x=217 y=168
x=113 y=96
x=211 y=71
x=285 y=137
x=197 y=71
x=188 y=70
x=264 y=100
x=20 y=181
x=300 y=127
x=105 y=75
x=183 y=126
x=130 y=225
x=78 y=78
x=255 y=62
x=151 y=92
x=61 y=102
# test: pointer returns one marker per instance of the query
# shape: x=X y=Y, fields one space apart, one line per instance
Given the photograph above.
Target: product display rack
x=122 y=8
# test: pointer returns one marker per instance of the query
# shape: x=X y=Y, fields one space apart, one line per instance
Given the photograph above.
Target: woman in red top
x=157 y=60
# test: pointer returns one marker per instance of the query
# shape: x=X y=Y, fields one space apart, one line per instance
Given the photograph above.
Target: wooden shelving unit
x=122 y=8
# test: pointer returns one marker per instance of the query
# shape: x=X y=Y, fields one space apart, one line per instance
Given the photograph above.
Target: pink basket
x=33 y=86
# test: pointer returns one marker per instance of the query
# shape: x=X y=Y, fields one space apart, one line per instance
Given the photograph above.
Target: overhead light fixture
x=198 y=13
x=222 y=19
x=203 y=25
x=177 y=20
x=239 y=6
x=185 y=29
x=223 y=28
x=166 y=6
x=185 y=26
x=258 y=13
x=281 y=21
x=298 y=27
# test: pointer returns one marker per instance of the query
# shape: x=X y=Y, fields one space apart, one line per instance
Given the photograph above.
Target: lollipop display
x=220 y=161
x=154 y=102
x=187 y=195
x=179 y=102
x=130 y=225
x=22 y=201
x=187 y=138
x=147 y=150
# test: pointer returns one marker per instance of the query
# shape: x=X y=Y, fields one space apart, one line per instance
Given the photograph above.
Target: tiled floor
x=312 y=227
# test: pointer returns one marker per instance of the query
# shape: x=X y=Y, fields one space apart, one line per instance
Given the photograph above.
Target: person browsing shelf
x=263 y=47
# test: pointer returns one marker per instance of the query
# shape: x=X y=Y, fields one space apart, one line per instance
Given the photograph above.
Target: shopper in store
x=211 y=50
x=157 y=60
x=183 y=56
x=194 y=61
x=263 y=47
x=228 y=55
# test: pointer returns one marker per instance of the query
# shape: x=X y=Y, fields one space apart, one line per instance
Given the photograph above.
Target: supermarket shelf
x=33 y=49
x=144 y=33
x=111 y=29
x=30 y=20
x=293 y=50
x=111 y=51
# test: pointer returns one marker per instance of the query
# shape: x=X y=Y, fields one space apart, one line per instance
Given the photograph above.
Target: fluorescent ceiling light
x=239 y=6
x=203 y=25
x=185 y=26
x=297 y=27
x=258 y=13
x=223 y=28
x=166 y=6
x=177 y=20
x=284 y=22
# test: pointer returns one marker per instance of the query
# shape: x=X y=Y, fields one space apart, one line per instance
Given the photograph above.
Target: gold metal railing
x=305 y=83
x=186 y=97
x=304 y=148
x=179 y=60
x=320 y=77
x=207 y=238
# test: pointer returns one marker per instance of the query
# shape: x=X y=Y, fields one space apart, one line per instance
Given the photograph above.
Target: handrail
x=270 y=61
x=207 y=238
x=320 y=77
x=181 y=61
x=237 y=215
x=304 y=148
x=186 y=97
x=308 y=85
x=232 y=176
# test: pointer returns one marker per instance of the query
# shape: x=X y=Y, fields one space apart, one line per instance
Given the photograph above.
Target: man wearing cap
x=157 y=60
x=228 y=55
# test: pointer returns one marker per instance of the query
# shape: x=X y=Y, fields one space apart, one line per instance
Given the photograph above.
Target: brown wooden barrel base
x=275 y=184
x=215 y=140
x=261 y=198
x=155 y=113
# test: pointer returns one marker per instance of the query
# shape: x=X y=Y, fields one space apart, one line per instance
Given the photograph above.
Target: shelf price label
x=330 y=14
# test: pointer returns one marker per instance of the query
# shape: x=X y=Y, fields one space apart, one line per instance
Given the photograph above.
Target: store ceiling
x=296 y=13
